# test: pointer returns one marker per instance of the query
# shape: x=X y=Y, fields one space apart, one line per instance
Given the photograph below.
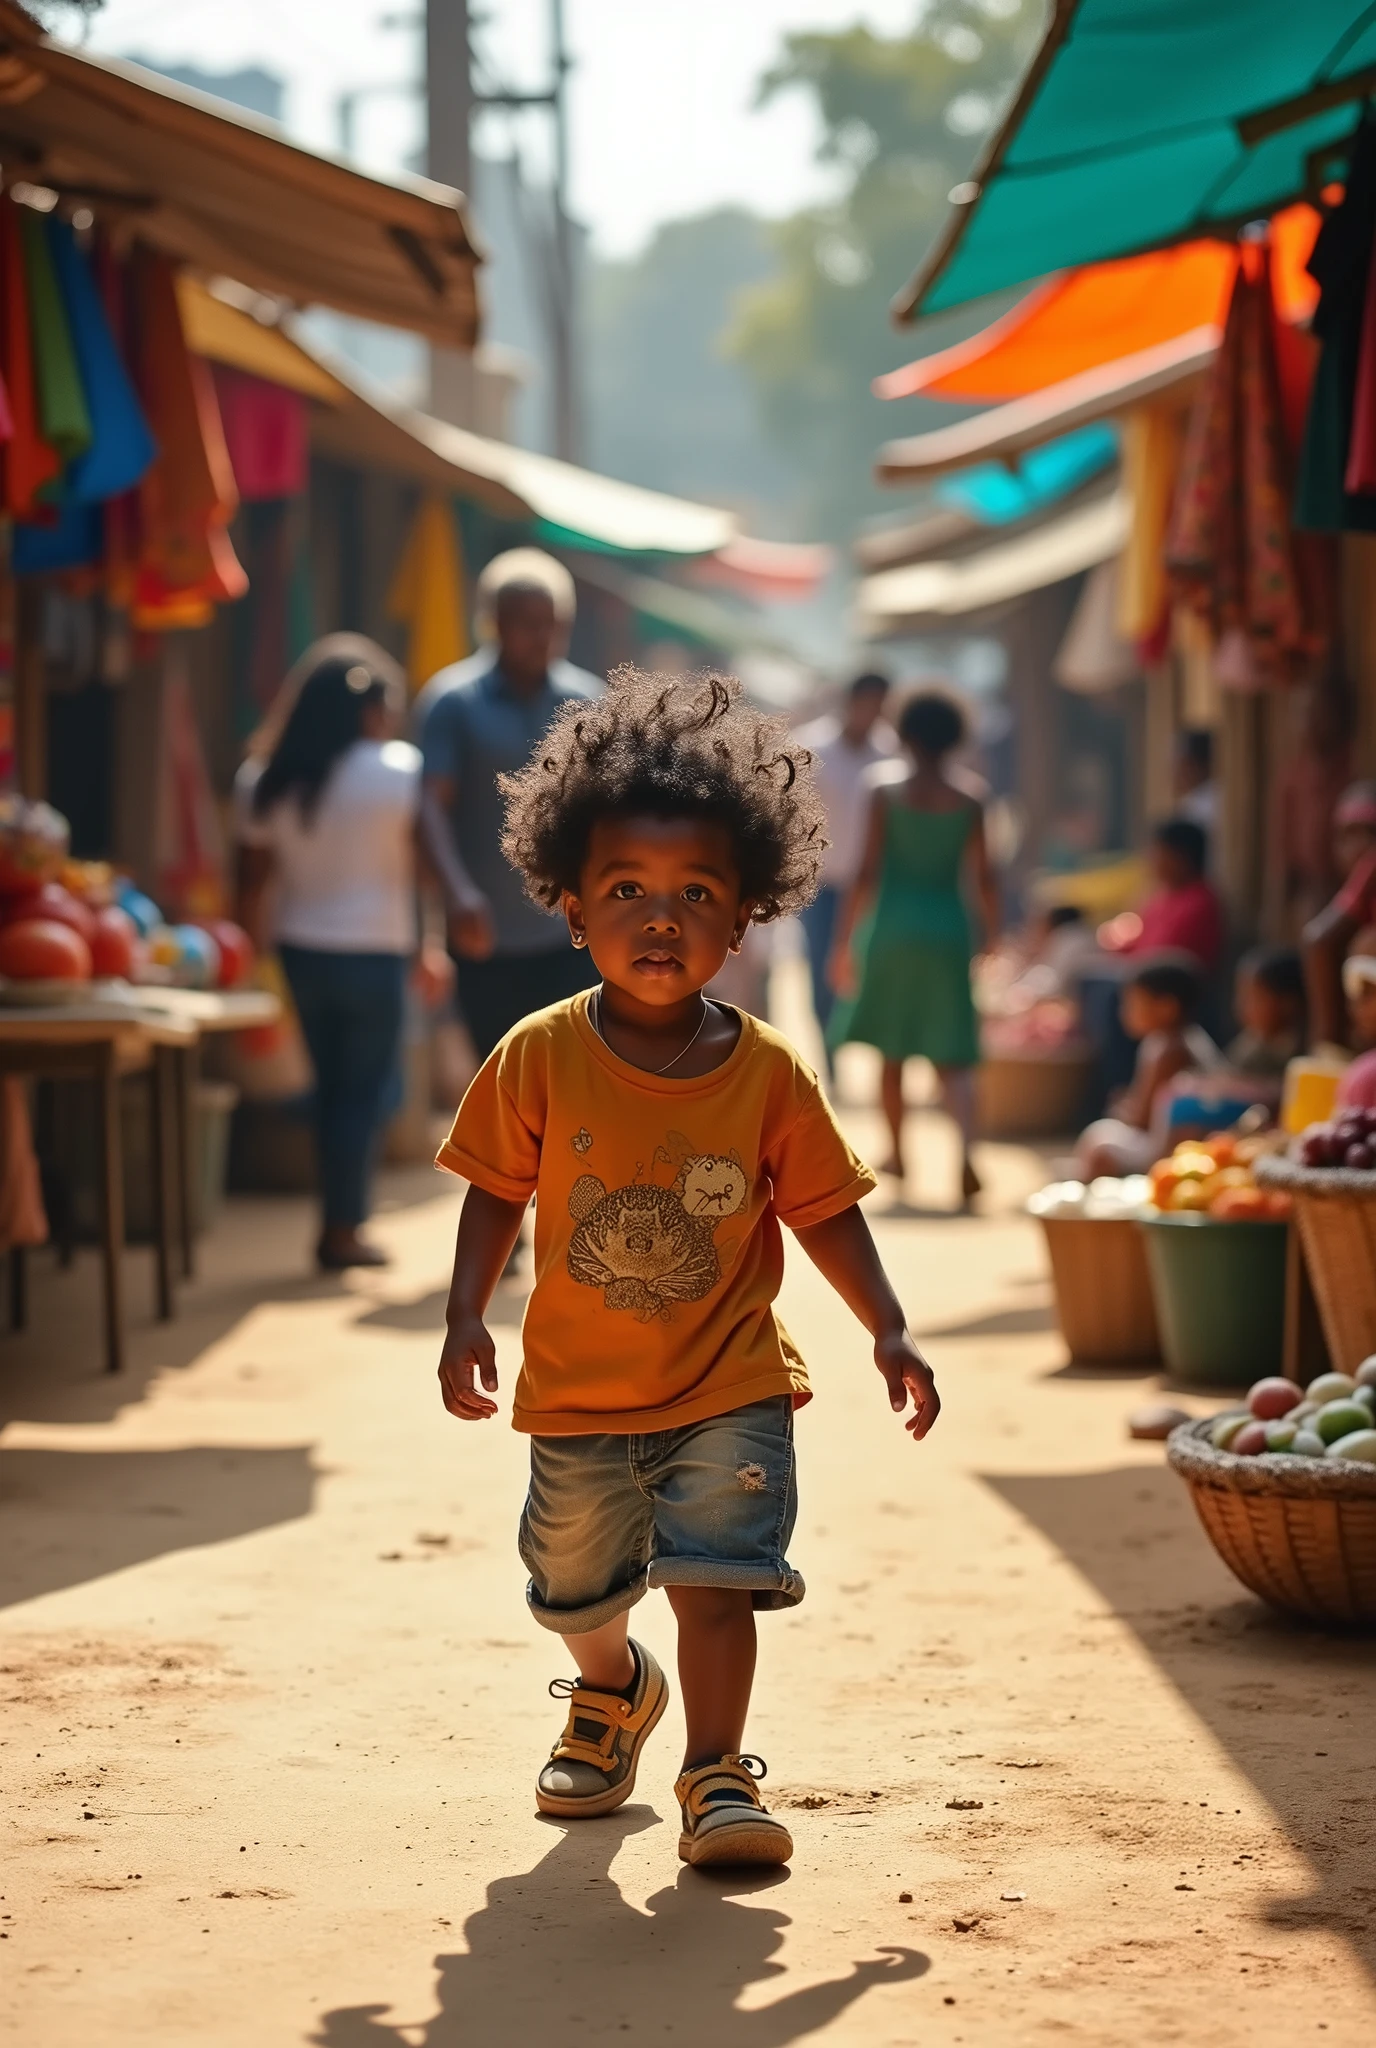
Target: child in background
x=1183 y=913
x=1157 y=1008
x=1268 y=997
x=665 y=1138
x=1357 y=1089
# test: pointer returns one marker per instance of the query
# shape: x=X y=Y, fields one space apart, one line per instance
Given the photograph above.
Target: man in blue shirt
x=475 y=721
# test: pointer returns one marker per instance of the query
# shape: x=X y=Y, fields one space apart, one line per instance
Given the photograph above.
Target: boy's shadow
x=558 y=1949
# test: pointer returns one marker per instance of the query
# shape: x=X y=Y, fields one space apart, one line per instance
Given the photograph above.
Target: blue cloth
x=76 y=538
x=122 y=444
x=710 y=1504
x=350 y=1006
x=996 y=494
x=819 y=929
x=471 y=727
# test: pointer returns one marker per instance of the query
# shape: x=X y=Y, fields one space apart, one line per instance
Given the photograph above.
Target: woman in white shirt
x=327 y=804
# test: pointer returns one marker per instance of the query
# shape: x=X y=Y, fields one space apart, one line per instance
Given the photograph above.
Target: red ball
x=115 y=942
x=41 y=949
x=1271 y=1398
x=59 y=904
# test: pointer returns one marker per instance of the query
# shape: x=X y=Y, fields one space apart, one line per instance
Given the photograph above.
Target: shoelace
x=725 y=1793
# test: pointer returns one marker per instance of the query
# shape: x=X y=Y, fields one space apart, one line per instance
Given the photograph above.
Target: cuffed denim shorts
x=710 y=1504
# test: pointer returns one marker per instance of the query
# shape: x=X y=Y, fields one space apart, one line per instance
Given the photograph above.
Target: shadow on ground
x=559 y=1954
x=70 y=1516
x=1291 y=1706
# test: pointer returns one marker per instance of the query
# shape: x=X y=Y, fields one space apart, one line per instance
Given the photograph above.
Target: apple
x=1272 y=1398
x=1280 y=1436
x=1250 y=1439
x=1331 y=1386
x=1340 y=1418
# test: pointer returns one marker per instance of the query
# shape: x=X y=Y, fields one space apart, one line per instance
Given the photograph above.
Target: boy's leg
x=716 y=1667
x=603 y=1656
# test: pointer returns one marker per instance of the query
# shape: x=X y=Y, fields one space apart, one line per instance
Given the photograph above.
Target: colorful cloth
x=267 y=435
x=426 y=593
x=1230 y=550
x=62 y=407
x=29 y=462
x=121 y=445
x=658 y=1253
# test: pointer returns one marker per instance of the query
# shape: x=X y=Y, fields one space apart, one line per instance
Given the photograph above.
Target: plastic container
x=1310 y=1092
x=1219 y=1290
x=1103 y=1290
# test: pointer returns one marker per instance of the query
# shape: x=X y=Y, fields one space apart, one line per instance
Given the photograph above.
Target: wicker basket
x=1336 y=1213
x=1032 y=1098
x=1301 y=1532
x=1104 y=1300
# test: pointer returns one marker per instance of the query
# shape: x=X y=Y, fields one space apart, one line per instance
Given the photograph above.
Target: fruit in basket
x=33 y=845
x=1349 y=1140
x=1250 y=1439
x=1271 y=1398
x=115 y=943
x=1330 y=1386
x=1367 y=1397
x=1280 y=1436
x=1339 y=1418
x=1225 y=1431
x=1214 y=1177
x=1359 y=1444
x=1365 y=1375
x=1308 y=1444
x=52 y=900
x=41 y=949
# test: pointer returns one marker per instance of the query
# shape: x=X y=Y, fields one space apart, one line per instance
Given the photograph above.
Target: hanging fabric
x=1230 y=550
x=187 y=564
x=188 y=840
x=28 y=462
x=62 y=409
x=267 y=434
x=1341 y=263
x=72 y=537
x=1153 y=435
x=121 y=445
x=427 y=592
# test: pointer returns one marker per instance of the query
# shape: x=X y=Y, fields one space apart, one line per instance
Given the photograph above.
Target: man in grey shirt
x=483 y=718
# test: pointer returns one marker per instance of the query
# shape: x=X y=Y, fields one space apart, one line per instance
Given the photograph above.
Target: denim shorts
x=710 y=1504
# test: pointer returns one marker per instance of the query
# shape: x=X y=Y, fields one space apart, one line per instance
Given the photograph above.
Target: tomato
x=113 y=946
x=54 y=902
x=41 y=949
x=33 y=845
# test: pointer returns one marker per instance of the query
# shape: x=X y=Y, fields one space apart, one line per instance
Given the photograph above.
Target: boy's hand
x=467 y=1344
x=906 y=1372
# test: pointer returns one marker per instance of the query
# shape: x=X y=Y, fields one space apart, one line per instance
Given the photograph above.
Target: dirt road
x=272 y=1707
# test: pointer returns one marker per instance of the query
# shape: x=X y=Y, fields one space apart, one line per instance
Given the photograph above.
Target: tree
x=902 y=119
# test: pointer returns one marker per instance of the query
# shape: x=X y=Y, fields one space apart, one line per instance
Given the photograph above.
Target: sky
x=662 y=121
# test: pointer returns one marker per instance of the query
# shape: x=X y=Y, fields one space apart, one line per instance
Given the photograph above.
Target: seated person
x=1268 y=998
x=1183 y=913
x=1357 y=1089
x=1157 y=1008
x=1065 y=946
x=1329 y=935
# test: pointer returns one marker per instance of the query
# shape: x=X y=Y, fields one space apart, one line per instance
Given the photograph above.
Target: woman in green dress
x=901 y=963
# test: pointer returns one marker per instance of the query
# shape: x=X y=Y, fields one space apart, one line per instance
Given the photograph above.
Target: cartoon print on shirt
x=581 y=1141
x=648 y=1246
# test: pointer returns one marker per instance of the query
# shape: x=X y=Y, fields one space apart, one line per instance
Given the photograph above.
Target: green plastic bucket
x=1220 y=1297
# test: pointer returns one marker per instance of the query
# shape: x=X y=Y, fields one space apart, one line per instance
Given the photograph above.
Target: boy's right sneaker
x=591 y=1768
x=724 y=1818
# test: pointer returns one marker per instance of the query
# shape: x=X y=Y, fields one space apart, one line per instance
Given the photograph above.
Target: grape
x=1360 y=1157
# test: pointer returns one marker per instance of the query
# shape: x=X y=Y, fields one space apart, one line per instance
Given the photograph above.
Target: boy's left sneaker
x=724 y=1818
x=591 y=1768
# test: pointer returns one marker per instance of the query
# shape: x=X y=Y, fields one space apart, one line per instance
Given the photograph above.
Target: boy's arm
x=488 y=1229
x=843 y=1251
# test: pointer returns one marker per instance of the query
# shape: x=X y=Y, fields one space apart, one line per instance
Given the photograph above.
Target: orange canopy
x=1086 y=318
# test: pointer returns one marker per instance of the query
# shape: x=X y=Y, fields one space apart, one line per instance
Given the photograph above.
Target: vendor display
x=65 y=921
x=1334 y=1417
x=1215 y=1177
x=1099 y=1269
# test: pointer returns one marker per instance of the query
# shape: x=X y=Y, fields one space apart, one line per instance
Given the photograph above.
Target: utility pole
x=565 y=295
x=449 y=160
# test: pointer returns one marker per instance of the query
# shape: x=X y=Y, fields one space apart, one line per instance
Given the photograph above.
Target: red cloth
x=28 y=460
x=1188 y=920
x=1357 y=897
x=266 y=434
x=1357 y=1089
x=1230 y=549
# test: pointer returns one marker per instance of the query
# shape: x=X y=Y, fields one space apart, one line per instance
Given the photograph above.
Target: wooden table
x=102 y=1038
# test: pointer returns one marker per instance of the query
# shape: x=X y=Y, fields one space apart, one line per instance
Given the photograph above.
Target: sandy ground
x=272 y=1707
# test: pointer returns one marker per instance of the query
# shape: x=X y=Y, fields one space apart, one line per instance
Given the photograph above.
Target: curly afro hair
x=669 y=747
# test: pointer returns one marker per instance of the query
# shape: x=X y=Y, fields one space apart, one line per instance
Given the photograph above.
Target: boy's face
x=1267 y=1011
x=660 y=903
x=1142 y=1012
x=1362 y=1009
x=1168 y=867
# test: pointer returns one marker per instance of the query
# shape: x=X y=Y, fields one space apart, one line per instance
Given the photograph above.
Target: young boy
x=1268 y=997
x=665 y=1137
x=1183 y=913
x=1157 y=1006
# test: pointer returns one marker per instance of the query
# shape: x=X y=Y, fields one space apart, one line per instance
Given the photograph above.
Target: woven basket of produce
x=1099 y=1270
x=1335 y=1208
x=1296 y=1527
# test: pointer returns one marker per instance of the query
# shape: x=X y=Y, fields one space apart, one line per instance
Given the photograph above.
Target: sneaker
x=592 y=1766
x=724 y=1818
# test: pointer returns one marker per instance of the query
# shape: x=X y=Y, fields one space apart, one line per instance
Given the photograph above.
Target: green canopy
x=1143 y=122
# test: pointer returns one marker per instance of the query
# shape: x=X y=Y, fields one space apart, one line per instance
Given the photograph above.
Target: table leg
x=19 y=1288
x=160 y=1090
x=184 y=1067
x=110 y=1152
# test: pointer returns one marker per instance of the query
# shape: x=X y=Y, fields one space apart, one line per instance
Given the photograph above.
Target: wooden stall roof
x=226 y=191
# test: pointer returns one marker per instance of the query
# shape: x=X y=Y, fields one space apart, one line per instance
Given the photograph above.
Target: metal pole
x=566 y=422
x=449 y=159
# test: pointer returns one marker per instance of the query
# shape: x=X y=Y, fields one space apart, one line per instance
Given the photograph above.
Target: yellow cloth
x=1153 y=436
x=658 y=1202
x=427 y=592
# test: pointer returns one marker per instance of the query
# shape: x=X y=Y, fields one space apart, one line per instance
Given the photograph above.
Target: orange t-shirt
x=657 y=1210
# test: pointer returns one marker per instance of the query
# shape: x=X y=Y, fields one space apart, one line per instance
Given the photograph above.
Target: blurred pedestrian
x=846 y=750
x=475 y=722
x=901 y=959
x=327 y=802
x=1326 y=936
x=1183 y=913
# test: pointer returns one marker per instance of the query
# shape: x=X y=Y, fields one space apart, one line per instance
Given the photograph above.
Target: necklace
x=681 y=1054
